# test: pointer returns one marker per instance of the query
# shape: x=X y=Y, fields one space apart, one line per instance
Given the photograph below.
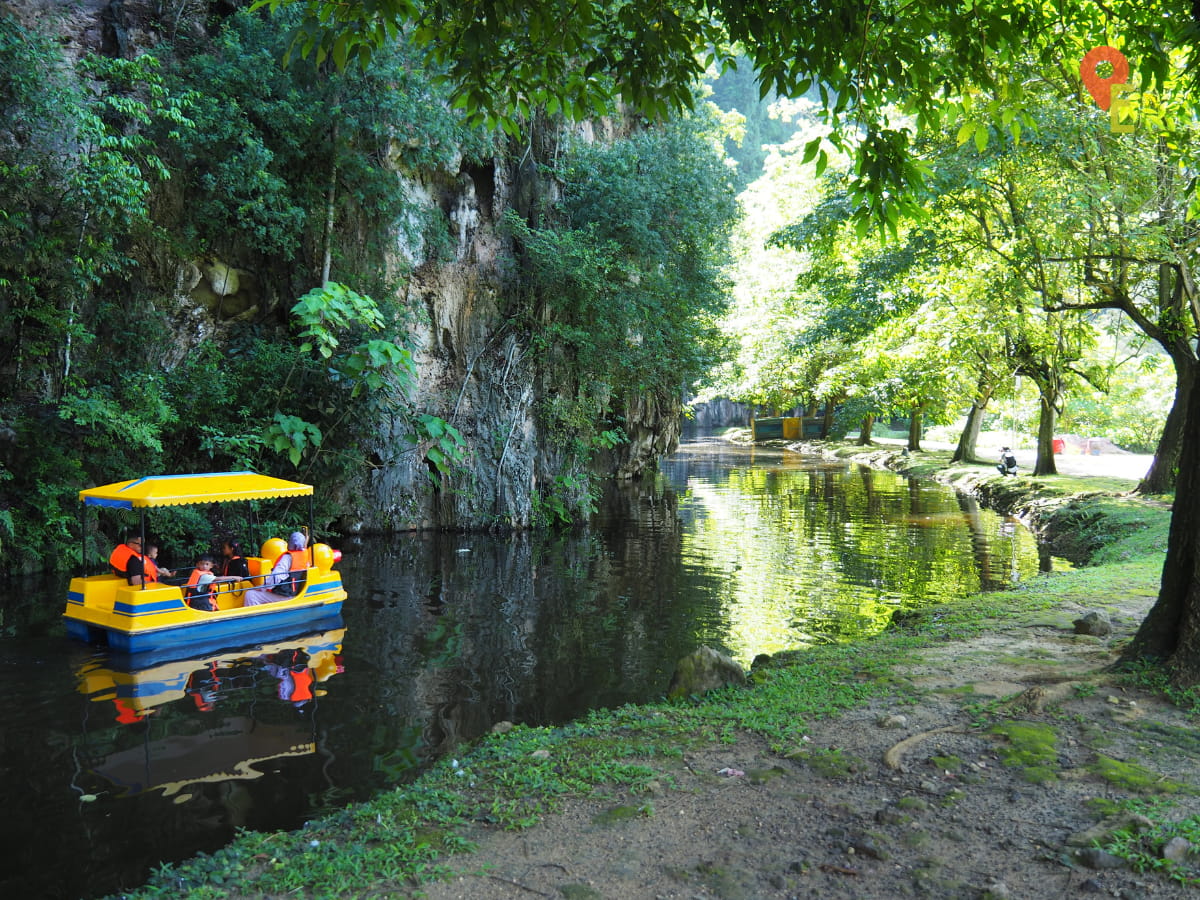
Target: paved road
x=1114 y=465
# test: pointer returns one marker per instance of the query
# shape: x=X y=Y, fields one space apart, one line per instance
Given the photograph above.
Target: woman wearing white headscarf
x=287 y=575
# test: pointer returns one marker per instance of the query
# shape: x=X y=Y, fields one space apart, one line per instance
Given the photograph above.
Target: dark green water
x=752 y=551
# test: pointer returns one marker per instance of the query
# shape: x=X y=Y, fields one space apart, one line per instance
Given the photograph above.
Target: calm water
x=750 y=550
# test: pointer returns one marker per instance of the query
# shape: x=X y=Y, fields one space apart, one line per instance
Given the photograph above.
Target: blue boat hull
x=152 y=647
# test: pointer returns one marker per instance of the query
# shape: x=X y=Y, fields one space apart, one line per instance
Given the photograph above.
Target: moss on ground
x=1031 y=747
x=1132 y=777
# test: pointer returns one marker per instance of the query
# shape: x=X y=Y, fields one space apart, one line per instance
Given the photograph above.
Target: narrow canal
x=108 y=772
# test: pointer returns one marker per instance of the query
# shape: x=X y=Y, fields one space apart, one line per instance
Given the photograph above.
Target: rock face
x=477 y=372
x=720 y=413
x=704 y=670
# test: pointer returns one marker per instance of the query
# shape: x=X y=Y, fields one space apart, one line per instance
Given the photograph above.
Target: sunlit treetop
x=884 y=70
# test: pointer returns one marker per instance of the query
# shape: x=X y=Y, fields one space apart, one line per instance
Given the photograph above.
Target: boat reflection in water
x=203 y=720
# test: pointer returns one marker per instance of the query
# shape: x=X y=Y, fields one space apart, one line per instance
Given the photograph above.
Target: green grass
x=1142 y=848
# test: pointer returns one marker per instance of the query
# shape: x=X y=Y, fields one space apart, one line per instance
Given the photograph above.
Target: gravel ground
x=884 y=802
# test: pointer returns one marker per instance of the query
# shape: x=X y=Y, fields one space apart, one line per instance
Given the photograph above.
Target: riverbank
x=964 y=753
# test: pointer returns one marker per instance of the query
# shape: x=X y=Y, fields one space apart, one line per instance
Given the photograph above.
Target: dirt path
x=886 y=802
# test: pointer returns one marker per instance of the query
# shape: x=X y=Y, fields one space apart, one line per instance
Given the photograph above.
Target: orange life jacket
x=119 y=560
x=149 y=569
x=291 y=583
x=191 y=591
x=304 y=682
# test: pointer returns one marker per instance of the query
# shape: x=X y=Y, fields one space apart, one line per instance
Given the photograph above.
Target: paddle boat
x=152 y=621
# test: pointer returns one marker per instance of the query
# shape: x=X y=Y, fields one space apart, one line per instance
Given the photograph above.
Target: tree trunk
x=1047 y=419
x=864 y=433
x=330 y=210
x=1171 y=632
x=914 y=428
x=827 y=422
x=967 y=441
x=1160 y=478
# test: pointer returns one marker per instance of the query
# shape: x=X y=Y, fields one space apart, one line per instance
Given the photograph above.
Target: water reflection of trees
x=461 y=632
x=466 y=631
x=825 y=551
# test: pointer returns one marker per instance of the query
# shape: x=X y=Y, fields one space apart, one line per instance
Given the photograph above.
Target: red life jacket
x=149 y=569
x=119 y=560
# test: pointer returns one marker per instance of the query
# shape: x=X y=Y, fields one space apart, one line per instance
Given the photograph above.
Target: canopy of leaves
x=867 y=61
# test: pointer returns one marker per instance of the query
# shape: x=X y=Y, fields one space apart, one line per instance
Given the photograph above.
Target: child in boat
x=200 y=591
x=152 y=569
x=233 y=562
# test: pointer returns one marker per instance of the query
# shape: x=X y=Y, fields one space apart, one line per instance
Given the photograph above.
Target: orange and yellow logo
x=1108 y=90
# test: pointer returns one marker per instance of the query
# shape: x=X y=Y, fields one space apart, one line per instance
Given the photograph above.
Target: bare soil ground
x=886 y=801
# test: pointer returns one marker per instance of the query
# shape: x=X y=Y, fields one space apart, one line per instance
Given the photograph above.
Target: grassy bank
x=512 y=780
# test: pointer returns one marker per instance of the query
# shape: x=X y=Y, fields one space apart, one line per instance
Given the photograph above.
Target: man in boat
x=128 y=561
x=287 y=575
x=122 y=553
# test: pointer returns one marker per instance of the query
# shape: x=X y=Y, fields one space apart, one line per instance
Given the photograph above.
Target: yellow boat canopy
x=179 y=490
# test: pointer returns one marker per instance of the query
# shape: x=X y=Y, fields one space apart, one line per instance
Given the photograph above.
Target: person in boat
x=152 y=570
x=198 y=592
x=129 y=562
x=119 y=559
x=201 y=589
x=287 y=574
x=233 y=563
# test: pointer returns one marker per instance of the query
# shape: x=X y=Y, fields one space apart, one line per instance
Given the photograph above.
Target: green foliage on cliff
x=278 y=151
x=623 y=277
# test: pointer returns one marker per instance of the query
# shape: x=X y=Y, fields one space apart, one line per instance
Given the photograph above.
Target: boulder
x=704 y=670
x=1093 y=623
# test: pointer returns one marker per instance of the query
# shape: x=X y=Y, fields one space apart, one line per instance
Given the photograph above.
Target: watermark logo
x=1108 y=90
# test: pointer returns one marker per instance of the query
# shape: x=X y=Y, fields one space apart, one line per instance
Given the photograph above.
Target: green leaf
x=981 y=139
x=810 y=150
